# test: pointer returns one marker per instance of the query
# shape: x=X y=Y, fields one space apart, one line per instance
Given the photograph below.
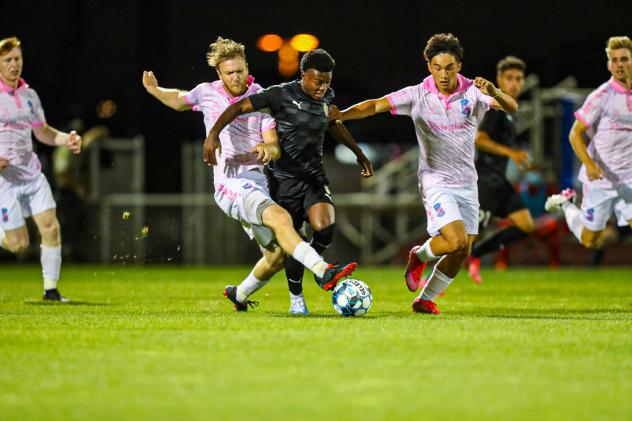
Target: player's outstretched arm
x=342 y=135
x=212 y=142
x=53 y=137
x=269 y=150
x=172 y=98
x=501 y=101
x=487 y=144
x=576 y=137
x=366 y=109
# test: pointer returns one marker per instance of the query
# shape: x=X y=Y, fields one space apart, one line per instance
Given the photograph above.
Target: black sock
x=496 y=241
x=294 y=274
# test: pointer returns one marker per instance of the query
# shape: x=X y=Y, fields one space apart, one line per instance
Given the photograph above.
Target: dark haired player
x=297 y=180
x=495 y=141
x=445 y=108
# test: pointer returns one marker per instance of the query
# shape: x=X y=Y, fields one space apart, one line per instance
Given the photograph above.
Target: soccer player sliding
x=445 y=108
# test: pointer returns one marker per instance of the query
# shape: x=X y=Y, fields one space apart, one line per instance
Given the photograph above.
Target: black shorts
x=298 y=195
x=497 y=197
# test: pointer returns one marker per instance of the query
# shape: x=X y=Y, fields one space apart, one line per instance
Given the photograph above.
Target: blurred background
x=140 y=192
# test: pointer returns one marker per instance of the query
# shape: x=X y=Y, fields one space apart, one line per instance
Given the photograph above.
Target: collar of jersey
x=6 y=88
x=219 y=86
x=462 y=84
x=617 y=87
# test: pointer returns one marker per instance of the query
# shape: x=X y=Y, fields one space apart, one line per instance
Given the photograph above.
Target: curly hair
x=443 y=43
x=614 y=43
x=224 y=49
x=8 y=44
x=511 y=62
x=317 y=59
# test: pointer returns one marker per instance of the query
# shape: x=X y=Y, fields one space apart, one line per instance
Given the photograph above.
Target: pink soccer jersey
x=608 y=112
x=20 y=111
x=240 y=136
x=446 y=129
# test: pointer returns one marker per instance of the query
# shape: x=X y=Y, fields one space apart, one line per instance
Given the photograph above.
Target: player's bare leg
x=16 y=241
x=50 y=256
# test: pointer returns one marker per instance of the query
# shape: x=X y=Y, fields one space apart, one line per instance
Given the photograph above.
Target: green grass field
x=158 y=343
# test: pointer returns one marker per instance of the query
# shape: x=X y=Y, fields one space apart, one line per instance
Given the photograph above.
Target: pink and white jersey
x=240 y=136
x=446 y=129
x=608 y=112
x=20 y=111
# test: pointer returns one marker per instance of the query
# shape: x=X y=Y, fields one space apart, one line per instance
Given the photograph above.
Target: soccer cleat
x=298 y=307
x=473 y=266
x=425 y=306
x=556 y=201
x=334 y=273
x=54 y=295
x=414 y=269
x=230 y=292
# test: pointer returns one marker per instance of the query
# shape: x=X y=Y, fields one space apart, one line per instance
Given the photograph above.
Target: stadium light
x=287 y=50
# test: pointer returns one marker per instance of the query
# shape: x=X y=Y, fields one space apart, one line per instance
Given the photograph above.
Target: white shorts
x=243 y=198
x=19 y=201
x=598 y=204
x=444 y=205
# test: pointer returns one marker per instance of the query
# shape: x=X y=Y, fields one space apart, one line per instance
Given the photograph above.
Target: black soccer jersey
x=501 y=128
x=301 y=126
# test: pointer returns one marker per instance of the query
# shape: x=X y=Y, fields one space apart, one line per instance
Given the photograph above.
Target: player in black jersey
x=495 y=142
x=297 y=180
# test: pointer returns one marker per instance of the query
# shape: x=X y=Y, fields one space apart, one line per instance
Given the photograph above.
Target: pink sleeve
x=590 y=112
x=38 y=119
x=193 y=97
x=267 y=122
x=401 y=101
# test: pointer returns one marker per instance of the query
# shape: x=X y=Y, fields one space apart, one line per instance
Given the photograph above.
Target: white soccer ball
x=352 y=297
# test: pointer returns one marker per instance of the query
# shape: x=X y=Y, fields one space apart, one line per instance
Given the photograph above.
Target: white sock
x=249 y=286
x=50 y=257
x=425 y=253
x=574 y=220
x=308 y=257
x=297 y=297
x=437 y=283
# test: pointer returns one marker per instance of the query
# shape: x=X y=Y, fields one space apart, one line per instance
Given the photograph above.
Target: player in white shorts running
x=445 y=108
x=606 y=172
x=241 y=189
x=24 y=190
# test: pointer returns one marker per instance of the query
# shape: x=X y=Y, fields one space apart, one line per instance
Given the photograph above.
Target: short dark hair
x=511 y=62
x=317 y=59
x=443 y=43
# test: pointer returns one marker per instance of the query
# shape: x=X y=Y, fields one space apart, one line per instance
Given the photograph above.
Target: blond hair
x=8 y=44
x=224 y=49
x=614 y=43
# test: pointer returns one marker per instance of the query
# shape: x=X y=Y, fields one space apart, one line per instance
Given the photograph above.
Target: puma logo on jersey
x=298 y=104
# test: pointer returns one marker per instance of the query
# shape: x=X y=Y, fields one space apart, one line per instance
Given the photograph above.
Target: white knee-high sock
x=437 y=283
x=50 y=257
x=308 y=257
x=574 y=220
x=249 y=286
x=425 y=253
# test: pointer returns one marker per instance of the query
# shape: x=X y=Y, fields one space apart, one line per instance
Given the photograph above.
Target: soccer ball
x=352 y=297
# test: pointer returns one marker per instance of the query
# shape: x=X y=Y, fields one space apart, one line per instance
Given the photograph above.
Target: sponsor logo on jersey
x=438 y=209
x=298 y=104
x=465 y=107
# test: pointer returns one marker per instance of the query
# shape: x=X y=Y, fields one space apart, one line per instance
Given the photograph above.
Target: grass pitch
x=162 y=343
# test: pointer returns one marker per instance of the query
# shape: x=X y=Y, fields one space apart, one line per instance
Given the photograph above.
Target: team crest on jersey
x=465 y=107
x=30 y=104
x=438 y=209
x=5 y=215
x=590 y=214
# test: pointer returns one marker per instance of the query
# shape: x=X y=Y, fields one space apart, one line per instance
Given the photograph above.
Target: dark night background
x=78 y=53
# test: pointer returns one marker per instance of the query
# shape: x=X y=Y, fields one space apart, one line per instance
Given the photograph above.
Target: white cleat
x=298 y=307
x=555 y=202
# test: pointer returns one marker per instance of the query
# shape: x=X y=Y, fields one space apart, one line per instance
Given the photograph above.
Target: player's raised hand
x=149 y=80
x=74 y=142
x=486 y=86
x=367 y=166
x=212 y=144
x=4 y=163
x=594 y=172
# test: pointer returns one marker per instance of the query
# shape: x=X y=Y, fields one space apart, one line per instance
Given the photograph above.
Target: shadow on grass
x=71 y=303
